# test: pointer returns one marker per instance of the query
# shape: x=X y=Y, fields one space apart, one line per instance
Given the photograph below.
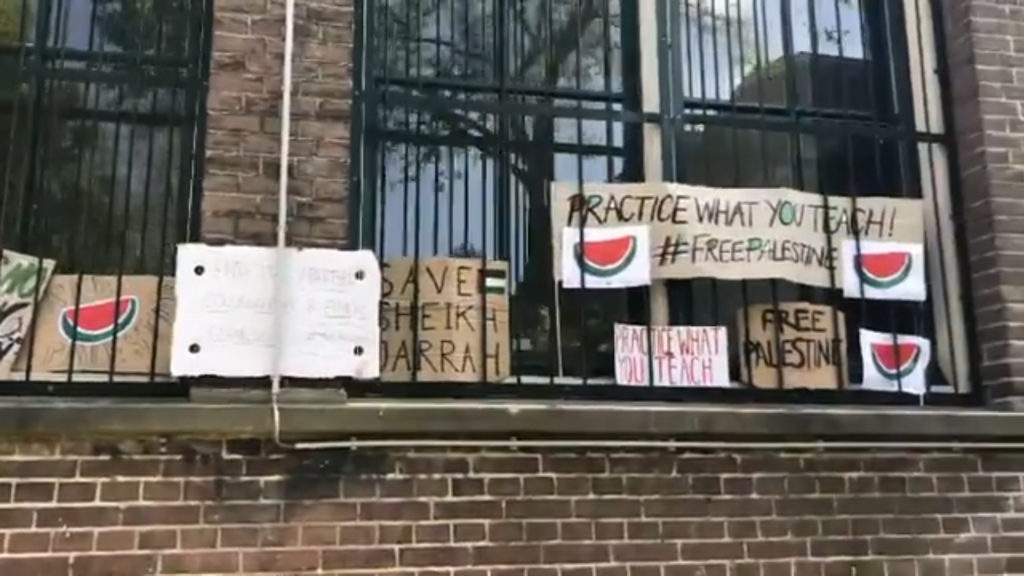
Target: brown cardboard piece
x=812 y=342
x=738 y=233
x=463 y=332
x=93 y=345
x=23 y=282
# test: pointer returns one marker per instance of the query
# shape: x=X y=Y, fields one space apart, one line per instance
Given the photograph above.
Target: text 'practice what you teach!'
x=738 y=233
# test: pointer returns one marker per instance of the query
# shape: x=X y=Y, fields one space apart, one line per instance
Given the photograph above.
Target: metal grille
x=469 y=109
x=102 y=107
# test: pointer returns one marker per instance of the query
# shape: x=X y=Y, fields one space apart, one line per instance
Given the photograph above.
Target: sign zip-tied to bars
x=329 y=307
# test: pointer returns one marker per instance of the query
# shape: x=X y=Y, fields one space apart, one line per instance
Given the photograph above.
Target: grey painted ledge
x=340 y=420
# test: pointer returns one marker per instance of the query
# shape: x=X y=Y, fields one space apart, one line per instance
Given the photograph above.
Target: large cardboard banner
x=90 y=328
x=807 y=342
x=23 y=282
x=738 y=233
x=462 y=316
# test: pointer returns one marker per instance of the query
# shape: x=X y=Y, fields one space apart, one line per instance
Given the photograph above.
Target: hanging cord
x=282 y=213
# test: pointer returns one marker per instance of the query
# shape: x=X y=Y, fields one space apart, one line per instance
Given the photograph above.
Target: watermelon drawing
x=883 y=270
x=97 y=322
x=895 y=361
x=606 y=258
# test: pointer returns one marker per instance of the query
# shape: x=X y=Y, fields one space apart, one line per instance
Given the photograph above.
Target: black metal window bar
x=469 y=109
x=102 y=112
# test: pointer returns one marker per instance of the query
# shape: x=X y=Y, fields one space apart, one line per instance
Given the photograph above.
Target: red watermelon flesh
x=884 y=269
x=98 y=316
x=608 y=253
x=895 y=360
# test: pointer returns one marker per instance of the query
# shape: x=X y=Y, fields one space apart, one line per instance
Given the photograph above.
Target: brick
x=63 y=517
x=157 y=515
x=115 y=564
x=359 y=559
x=35 y=565
x=393 y=511
x=474 y=509
x=435 y=556
x=277 y=561
x=27 y=542
x=200 y=562
x=505 y=555
x=73 y=541
x=575 y=553
x=116 y=540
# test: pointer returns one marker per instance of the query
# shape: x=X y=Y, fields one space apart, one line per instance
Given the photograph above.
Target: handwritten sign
x=81 y=318
x=445 y=322
x=327 y=312
x=23 y=282
x=683 y=356
x=735 y=233
x=805 y=341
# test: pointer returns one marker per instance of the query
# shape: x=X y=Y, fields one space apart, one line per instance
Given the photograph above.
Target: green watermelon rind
x=73 y=333
x=900 y=373
x=881 y=283
x=603 y=271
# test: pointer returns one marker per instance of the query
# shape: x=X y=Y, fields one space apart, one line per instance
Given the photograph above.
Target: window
x=470 y=108
x=101 y=104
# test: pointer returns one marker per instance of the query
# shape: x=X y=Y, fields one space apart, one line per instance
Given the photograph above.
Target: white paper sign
x=895 y=363
x=884 y=271
x=684 y=356
x=606 y=258
x=328 y=314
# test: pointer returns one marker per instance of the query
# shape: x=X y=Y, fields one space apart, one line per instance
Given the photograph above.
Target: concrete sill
x=303 y=419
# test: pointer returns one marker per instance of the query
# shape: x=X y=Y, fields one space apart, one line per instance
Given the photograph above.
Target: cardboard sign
x=884 y=271
x=684 y=356
x=23 y=282
x=238 y=306
x=81 y=319
x=606 y=258
x=809 y=346
x=738 y=233
x=895 y=362
x=445 y=322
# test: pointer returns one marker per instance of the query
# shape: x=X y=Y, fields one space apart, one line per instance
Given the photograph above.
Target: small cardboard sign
x=81 y=318
x=683 y=356
x=806 y=341
x=895 y=362
x=445 y=320
x=238 y=306
x=23 y=282
x=884 y=271
x=606 y=258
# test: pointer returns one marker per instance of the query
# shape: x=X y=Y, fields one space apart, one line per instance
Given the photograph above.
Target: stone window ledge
x=304 y=419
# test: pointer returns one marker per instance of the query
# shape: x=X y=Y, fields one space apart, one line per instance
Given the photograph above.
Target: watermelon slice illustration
x=895 y=361
x=883 y=270
x=606 y=258
x=97 y=322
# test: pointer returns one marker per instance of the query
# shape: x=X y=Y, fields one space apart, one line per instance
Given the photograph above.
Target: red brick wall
x=985 y=41
x=202 y=508
x=239 y=202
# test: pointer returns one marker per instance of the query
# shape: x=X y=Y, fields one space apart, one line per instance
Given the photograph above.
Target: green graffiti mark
x=19 y=278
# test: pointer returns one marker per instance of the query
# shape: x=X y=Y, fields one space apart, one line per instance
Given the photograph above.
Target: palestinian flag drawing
x=895 y=363
x=606 y=258
x=884 y=270
x=95 y=323
x=495 y=282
